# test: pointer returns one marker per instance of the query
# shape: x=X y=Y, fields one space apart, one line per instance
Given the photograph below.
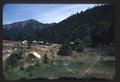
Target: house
x=71 y=42
x=40 y=42
x=24 y=42
x=34 y=41
x=35 y=54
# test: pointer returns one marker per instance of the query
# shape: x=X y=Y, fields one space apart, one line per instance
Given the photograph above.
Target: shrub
x=16 y=55
x=106 y=49
x=65 y=50
x=45 y=59
x=78 y=46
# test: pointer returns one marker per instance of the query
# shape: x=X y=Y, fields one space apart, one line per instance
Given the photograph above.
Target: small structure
x=24 y=42
x=34 y=41
x=35 y=54
x=40 y=42
x=71 y=42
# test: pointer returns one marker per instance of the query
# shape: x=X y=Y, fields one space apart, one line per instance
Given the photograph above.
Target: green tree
x=78 y=45
x=102 y=33
x=45 y=59
x=16 y=55
x=65 y=50
x=29 y=39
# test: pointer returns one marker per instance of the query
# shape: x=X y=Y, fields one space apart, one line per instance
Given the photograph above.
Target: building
x=35 y=54
x=71 y=42
x=24 y=42
x=34 y=41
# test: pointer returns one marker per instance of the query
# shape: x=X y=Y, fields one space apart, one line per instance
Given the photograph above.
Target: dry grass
x=83 y=65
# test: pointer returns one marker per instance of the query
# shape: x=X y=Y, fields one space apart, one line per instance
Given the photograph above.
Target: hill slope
x=95 y=25
x=21 y=30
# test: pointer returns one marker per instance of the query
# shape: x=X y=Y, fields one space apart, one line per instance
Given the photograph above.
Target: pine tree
x=29 y=39
x=45 y=59
x=65 y=50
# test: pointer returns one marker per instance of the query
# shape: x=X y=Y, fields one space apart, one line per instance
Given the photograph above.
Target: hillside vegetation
x=79 y=47
x=92 y=26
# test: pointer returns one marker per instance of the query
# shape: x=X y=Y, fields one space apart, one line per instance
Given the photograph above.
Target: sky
x=44 y=13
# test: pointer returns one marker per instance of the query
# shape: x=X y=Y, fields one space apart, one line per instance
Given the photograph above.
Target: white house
x=24 y=42
x=40 y=42
x=34 y=41
x=35 y=54
x=71 y=42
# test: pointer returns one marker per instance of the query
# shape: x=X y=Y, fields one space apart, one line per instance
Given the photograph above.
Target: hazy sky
x=45 y=13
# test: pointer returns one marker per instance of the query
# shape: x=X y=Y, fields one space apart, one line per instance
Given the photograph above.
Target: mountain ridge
x=95 y=25
x=23 y=29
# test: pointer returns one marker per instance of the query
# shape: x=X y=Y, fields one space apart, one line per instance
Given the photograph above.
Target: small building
x=24 y=42
x=71 y=42
x=35 y=54
x=40 y=42
x=34 y=41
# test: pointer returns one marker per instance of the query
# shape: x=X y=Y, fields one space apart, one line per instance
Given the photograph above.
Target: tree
x=29 y=39
x=65 y=50
x=16 y=55
x=45 y=59
x=102 y=33
x=78 y=46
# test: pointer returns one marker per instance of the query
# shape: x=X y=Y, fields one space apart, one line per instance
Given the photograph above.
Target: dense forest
x=94 y=26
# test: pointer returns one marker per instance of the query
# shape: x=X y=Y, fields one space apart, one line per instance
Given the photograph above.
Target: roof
x=36 y=54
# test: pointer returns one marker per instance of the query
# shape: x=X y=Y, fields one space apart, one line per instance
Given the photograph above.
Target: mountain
x=22 y=30
x=95 y=25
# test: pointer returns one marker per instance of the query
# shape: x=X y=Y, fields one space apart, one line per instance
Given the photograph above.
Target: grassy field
x=85 y=65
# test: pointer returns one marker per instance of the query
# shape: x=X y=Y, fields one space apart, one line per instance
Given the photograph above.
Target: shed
x=35 y=54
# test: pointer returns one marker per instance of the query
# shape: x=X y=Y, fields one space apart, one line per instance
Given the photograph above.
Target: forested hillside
x=79 y=47
x=93 y=26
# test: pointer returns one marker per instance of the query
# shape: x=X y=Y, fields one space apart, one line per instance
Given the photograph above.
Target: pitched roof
x=36 y=54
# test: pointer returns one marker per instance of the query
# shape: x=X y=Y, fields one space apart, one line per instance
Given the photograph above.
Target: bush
x=65 y=50
x=78 y=46
x=106 y=49
x=16 y=55
x=45 y=59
